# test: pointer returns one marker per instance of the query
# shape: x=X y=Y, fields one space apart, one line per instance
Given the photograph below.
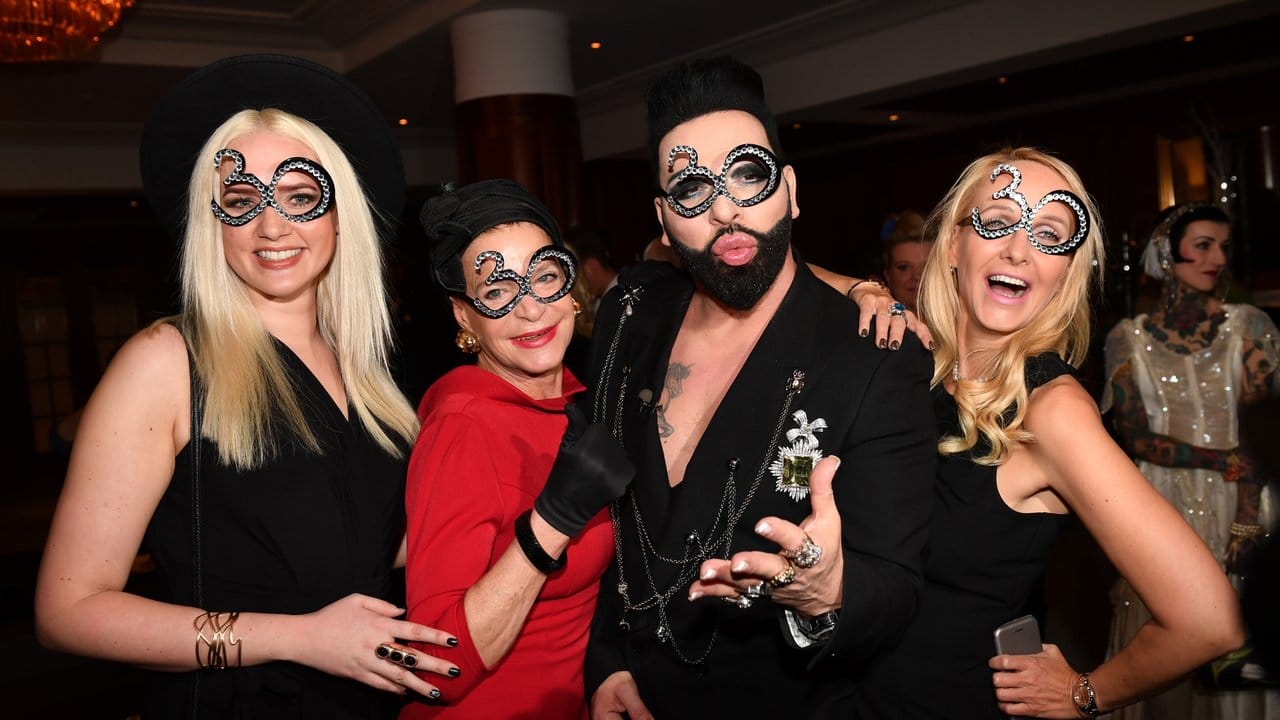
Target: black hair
x=706 y=85
x=1197 y=212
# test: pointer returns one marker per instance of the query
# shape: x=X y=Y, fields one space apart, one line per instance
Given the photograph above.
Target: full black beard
x=741 y=287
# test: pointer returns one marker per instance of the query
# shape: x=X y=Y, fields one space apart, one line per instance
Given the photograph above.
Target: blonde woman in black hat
x=276 y=529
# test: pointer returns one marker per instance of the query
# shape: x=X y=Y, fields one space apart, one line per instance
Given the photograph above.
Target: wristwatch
x=1085 y=699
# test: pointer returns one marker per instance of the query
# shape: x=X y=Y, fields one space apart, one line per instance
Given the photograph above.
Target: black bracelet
x=849 y=293
x=544 y=563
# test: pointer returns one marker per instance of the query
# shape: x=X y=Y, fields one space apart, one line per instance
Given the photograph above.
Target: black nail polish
x=894 y=345
x=434 y=694
x=451 y=642
x=863 y=333
x=883 y=343
x=454 y=672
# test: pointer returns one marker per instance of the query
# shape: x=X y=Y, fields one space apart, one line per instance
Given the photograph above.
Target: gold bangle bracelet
x=215 y=631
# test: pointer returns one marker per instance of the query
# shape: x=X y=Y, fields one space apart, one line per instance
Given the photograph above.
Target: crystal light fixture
x=41 y=30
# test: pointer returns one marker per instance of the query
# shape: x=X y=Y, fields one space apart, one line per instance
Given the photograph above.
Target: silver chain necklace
x=696 y=550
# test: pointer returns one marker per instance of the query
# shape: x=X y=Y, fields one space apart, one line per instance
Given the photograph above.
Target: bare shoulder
x=1063 y=413
x=148 y=372
x=158 y=350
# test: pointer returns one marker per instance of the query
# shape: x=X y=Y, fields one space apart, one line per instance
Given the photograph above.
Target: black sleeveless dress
x=981 y=563
x=291 y=537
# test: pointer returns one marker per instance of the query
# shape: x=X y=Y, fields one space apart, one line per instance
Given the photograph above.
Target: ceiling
x=841 y=68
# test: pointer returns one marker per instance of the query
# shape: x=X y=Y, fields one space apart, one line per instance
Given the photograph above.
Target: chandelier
x=37 y=30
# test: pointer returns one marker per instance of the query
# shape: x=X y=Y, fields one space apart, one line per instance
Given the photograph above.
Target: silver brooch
x=795 y=462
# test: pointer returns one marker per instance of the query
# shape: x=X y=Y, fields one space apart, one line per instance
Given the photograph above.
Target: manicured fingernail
x=451 y=642
x=695 y=595
x=862 y=332
x=883 y=343
x=763 y=529
x=454 y=672
x=894 y=345
x=740 y=566
x=708 y=574
x=434 y=694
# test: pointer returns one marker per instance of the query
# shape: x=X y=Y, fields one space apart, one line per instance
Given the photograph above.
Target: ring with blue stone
x=897 y=309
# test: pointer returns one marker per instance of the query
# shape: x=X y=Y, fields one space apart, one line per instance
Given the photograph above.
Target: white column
x=510 y=52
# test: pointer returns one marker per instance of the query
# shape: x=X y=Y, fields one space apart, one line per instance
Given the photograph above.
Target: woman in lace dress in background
x=1177 y=379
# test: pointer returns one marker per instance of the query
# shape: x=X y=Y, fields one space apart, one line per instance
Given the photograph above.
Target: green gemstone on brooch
x=795 y=471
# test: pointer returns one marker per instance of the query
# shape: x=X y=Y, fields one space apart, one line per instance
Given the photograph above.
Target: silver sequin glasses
x=1046 y=237
x=549 y=277
x=300 y=190
x=748 y=177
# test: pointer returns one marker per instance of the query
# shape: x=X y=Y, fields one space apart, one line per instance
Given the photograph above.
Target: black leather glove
x=590 y=471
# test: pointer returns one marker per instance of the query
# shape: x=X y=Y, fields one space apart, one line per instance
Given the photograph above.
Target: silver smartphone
x=1020 y=636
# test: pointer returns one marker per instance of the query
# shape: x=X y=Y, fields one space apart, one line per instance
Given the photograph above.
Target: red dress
x=482 y=456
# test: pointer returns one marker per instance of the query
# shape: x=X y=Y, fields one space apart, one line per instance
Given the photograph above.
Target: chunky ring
x=897 y=309
x=742 y=601
x=396 y=655
x=805 y=556
x=758 y=590
x=785 y=576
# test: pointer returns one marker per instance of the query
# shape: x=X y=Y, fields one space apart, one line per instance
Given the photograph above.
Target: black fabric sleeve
x=884 y=491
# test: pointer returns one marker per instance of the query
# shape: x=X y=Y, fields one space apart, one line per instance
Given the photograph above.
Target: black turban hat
x=457 y=215
x=699 y=87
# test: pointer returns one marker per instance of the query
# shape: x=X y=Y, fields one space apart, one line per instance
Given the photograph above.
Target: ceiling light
x=894 y=117
x=1188 y=38
x=1002 y=79
x=403 y=121
x=40 y=30
x=597 y=45
x=795 y=126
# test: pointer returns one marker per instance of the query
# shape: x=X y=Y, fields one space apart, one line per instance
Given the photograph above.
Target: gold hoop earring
x=466 y=342
x=577 y=307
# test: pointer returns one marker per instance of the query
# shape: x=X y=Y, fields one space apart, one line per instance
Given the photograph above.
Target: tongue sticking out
x=735 y=250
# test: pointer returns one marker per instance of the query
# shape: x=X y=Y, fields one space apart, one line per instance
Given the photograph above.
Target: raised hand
x=589 y=472
x=807 y=574
x=874 y=301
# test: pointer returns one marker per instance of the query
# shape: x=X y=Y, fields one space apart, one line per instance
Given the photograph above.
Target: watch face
x=1082 y=695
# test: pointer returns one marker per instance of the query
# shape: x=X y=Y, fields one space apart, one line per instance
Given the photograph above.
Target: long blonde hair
x=244 y=376
x=1061 y=327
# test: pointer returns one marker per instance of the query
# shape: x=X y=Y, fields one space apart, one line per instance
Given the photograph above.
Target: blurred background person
x=659 y=251
x=905 y=251
x=597 y=273
x=1178 y=378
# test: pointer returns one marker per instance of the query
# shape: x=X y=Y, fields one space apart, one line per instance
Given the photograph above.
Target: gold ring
x=785 y=576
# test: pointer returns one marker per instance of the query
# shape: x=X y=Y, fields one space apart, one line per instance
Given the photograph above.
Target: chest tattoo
x=674 y=387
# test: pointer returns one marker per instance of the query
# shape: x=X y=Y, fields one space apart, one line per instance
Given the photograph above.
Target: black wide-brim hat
x=188 y=114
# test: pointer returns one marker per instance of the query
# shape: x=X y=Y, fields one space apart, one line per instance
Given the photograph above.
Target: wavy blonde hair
x=1062 y=326
x=246 y=383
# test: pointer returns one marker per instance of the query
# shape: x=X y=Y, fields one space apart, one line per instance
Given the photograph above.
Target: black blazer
x=878 y=418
